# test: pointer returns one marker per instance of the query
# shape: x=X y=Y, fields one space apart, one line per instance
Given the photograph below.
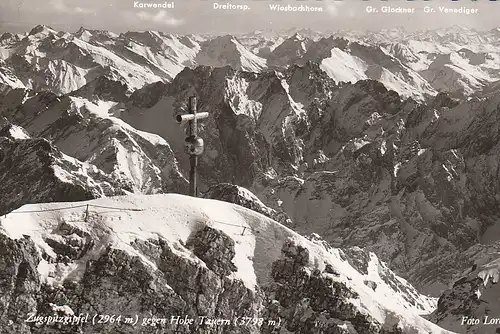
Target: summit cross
x=193 y=144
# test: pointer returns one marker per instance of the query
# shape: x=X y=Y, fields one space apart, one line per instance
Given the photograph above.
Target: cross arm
x=191 y=117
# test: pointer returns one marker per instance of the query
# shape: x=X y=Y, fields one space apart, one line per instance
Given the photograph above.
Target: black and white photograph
x=249 y=166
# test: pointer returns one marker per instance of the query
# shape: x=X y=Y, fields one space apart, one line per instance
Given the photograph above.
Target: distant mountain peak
x=298 y=36
x=41 y=28
x=81 y=30
x=6 y=35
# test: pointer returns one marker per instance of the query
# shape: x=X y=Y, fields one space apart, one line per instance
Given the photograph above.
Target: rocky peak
x=472 y=296
x=33 y=170
x=81 y=30
x=388 y=99
x=198 y=78
x=6 y=37
x=149 y=95
x=215 y=248
x=297 y=36
x=294 y=43
x=289 y=52
x=338 y=42
x=41 y=28
x=238 y=195
x=403 y=52
x=443 y=99
x=310 y=86
x=149 y=38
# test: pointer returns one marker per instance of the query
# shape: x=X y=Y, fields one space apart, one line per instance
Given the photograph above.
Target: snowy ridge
x=175 y=217
x=452 y=62
x=260 y=43
x=289 y=51
x=63 y=63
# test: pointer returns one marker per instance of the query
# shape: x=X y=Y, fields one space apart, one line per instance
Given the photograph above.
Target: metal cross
x=193 y=143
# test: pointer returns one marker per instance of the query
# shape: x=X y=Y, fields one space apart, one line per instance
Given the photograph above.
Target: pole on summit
x=193 y=144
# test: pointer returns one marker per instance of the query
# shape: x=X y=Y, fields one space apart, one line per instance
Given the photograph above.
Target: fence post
x=86 y=213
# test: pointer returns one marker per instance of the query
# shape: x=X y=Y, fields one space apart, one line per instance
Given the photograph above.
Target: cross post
x=193 y=144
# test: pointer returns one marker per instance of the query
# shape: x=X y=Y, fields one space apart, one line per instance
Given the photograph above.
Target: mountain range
x=381 y=148
x=417 y=65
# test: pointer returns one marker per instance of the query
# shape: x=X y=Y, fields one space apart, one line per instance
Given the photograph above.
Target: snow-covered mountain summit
x=165 y=255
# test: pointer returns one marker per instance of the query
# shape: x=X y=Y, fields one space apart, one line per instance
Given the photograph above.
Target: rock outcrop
x=470 y=305
x=34 y=171
x=234 y=194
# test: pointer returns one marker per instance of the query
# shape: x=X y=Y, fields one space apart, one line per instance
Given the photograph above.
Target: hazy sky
x=198 y=16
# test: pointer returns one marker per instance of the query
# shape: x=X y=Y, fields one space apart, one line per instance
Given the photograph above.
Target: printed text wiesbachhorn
x=289 y=8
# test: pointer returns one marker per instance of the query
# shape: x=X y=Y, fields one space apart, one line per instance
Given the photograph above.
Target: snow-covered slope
x=354 y=61
x=139 y=226
x=8 y=78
